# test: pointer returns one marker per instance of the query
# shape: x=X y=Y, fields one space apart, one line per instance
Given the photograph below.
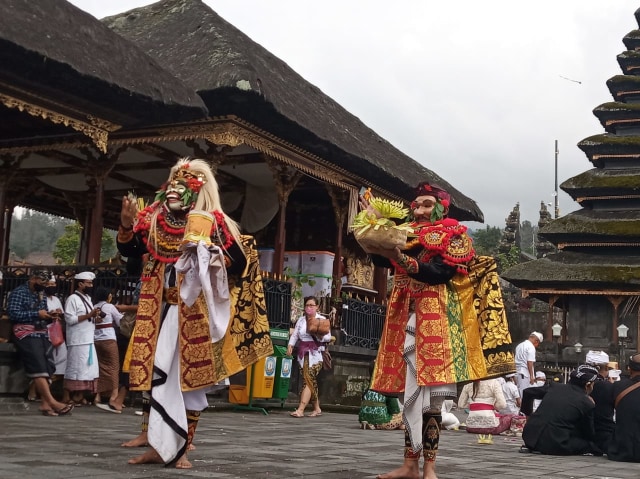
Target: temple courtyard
x=248 y=444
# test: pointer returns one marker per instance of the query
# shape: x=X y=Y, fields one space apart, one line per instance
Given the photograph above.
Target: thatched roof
x=594 y=226
x=236 y=76
x=599 y=182
x=55 y=50
x=569 y=270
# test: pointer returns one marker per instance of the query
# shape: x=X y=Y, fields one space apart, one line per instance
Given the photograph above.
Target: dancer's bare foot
x=406 y=471
x=149 y=457
x=138 y=441
x=429 y=471
x=191 y=447
x=183 y=463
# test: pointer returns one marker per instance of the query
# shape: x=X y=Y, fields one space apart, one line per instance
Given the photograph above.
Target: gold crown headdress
x=185 y=174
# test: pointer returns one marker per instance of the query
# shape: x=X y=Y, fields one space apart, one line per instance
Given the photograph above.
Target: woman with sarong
x=309 y=352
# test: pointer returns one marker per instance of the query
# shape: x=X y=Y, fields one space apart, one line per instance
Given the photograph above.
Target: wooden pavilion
x=91 y=110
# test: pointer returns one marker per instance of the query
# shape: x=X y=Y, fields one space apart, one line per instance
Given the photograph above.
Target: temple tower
x=595 y=274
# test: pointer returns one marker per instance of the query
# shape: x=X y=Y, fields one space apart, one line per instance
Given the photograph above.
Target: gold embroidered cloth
x=203 y=363
x=461 y=330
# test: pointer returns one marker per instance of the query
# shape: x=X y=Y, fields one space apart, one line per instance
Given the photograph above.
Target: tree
x=68 y=245
x=34 y=232
x=486 y=241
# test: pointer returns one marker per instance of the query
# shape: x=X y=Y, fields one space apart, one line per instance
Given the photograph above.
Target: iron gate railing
x=362 y=323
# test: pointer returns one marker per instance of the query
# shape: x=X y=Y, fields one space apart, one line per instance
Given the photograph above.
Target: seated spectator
x=378 y=411
x=511 y=395
x=541 y=381
x=625 y=441
x=602 y=395
x=449 y=420
x=484 y=398
x=563 y=424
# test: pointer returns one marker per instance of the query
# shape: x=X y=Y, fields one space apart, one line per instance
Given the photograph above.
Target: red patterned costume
x=445 y=322
x=183 y=343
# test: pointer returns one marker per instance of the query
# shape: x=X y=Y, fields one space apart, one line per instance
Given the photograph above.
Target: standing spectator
x=625 y=442
x=54 y=305
x=563 y=424
x=309 y=357
x=525 y=361
x=445 y=323
x=29 y=315
x=81 y=374
x=107 y=349
x=511 y=395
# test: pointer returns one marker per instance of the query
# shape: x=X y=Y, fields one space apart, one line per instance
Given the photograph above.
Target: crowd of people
x=200 y=317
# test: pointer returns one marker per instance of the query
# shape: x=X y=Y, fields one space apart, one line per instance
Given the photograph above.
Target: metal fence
x=278 y=298
x=362 y=323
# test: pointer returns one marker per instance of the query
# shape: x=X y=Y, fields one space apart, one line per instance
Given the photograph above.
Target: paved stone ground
x=248 y=444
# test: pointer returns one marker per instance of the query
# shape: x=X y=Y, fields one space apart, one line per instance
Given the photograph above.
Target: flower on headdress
x=194 y=184
x=445 y=203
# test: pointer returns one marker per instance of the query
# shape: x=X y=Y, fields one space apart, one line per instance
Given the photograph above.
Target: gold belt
x=170 y=295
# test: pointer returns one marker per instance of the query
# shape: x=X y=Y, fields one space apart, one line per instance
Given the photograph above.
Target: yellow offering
x=381 y=231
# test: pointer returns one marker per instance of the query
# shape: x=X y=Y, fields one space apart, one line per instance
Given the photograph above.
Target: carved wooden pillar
x=286 y=179
x=340 y=203
x=548 y=334
x=615 y=301
x=9 y=168
x=380 y=283
x=99 y=168
x=95 y=223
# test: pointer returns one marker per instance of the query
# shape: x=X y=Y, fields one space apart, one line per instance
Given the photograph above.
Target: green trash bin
x=284 y=365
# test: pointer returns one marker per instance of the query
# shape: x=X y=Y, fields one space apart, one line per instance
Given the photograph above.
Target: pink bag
x=55 y=333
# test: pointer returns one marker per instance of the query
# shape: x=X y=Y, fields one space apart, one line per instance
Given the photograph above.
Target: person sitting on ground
x=563 y=424
x=511 y=395
x=625 y=441
x=378 y=411
x=484 y=398
x=602 y=395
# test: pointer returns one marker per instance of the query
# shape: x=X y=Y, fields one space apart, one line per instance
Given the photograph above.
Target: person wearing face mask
x=29 y=316
x=81 y=373
x=54 y=305
x=445 y=323
x=309 y=357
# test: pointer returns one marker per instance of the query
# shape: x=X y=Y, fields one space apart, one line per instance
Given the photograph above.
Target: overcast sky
x=476 y=91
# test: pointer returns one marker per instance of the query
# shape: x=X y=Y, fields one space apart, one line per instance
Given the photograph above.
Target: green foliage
x=68 y=245
x=486 y=241
x=527 y=237
x=507 y=260
x=35 y=232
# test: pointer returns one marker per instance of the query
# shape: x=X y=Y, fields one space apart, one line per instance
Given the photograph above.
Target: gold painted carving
x=96 y=128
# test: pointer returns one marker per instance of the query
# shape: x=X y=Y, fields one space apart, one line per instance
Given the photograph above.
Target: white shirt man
x=525 y=359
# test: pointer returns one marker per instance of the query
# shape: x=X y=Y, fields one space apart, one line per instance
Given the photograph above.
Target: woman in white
x=484 y=398
x=309 y=354
x=81 y=373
